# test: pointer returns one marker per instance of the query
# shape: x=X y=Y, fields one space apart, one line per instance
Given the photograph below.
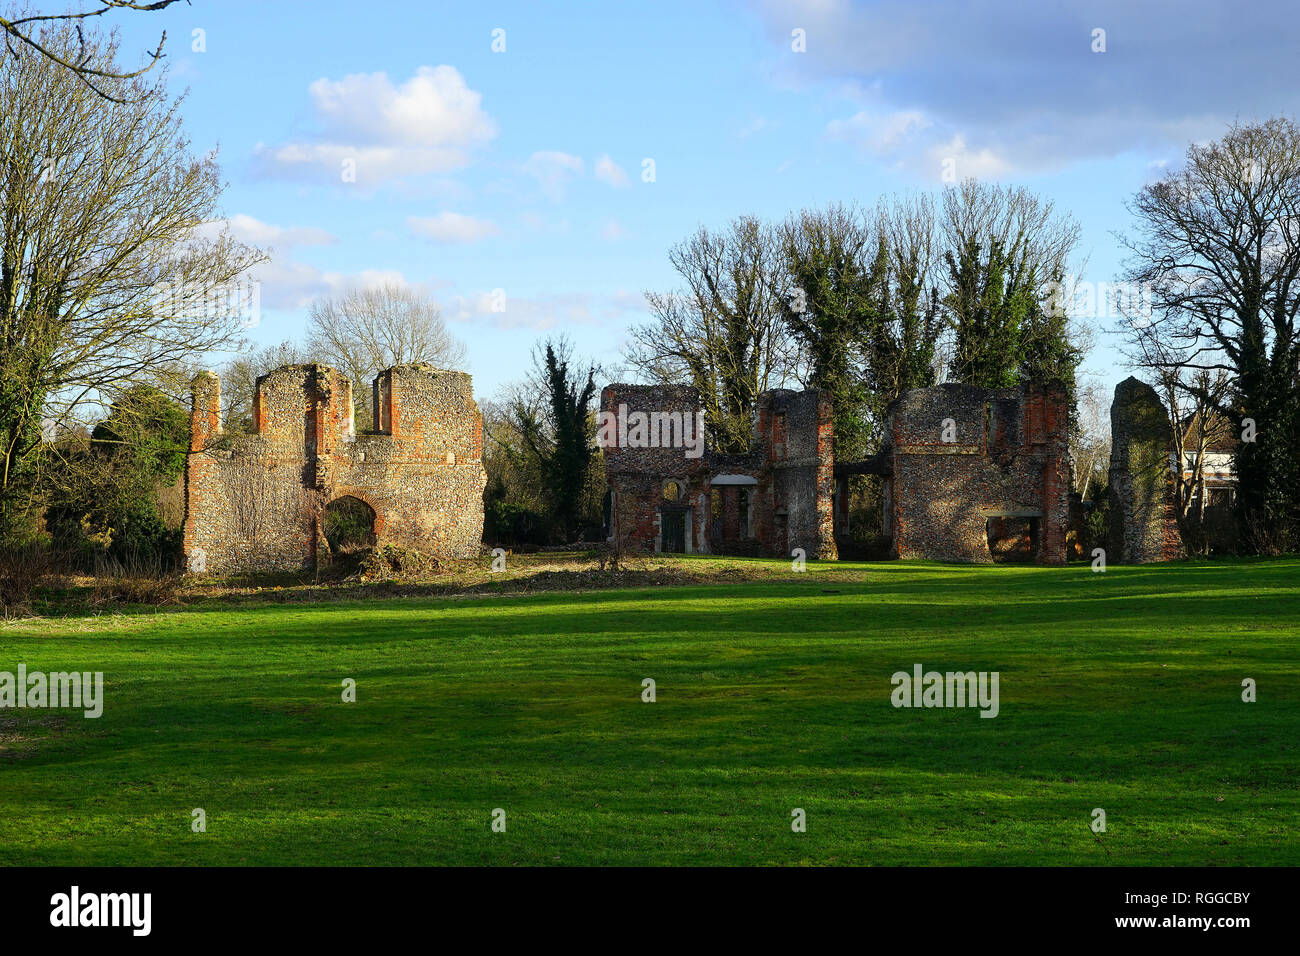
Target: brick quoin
x=255 y=502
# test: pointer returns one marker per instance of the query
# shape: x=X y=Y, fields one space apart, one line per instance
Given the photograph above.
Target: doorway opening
x=672 y=530
x=349 y=525
x=1012 y=539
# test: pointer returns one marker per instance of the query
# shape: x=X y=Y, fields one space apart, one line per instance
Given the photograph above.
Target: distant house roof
x=1222 y=437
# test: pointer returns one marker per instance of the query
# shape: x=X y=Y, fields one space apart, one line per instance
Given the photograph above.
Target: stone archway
x=348 y=525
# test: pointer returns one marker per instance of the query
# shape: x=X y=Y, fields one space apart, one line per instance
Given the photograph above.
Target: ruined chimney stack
x=205 y=409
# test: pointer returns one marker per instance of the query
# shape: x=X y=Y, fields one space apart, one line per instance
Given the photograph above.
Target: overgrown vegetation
x=545 y=474
x=865 y=305
x=348 y=524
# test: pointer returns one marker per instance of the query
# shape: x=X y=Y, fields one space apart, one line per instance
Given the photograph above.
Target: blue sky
x=521 y=170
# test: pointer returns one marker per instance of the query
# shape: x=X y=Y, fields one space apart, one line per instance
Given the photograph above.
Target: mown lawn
x=1119 y=690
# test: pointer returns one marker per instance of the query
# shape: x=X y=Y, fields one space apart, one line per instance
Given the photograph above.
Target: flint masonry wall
x=783 y=485
x=636 y=476
x=1143 y=527
x=1008 y=457
x=255 y=502
x=802 y=464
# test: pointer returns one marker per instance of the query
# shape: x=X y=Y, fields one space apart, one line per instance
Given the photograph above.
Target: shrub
x=139 y=579
x=348 y=525
x=390 y=561
x=23 y=568
x=1266 y=537
x=1096 y=526
x=513 y=525
x=1217 y=533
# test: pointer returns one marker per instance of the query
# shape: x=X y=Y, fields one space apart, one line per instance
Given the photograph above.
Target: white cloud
x=613 y=231
x=431 y=123
x=288 y=284
x=553 y=170
x=451 y=227
x=967 y=163
x=434 y=107
x=914 y=141
x=247 y=229
x=610 y=172
x=879 y=134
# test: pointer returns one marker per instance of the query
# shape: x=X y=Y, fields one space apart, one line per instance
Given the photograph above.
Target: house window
x=672 y=491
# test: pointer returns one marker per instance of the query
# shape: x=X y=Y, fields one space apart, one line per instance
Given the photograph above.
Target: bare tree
x=1217 y=248
x=104 y=279
x=82 y=64
x=549 y=429
x=513 y=474
x=909 y=347
x=364 y=331
x=1090 y=439
x=723 y=332
x=1032 y=232
x=240 y=375
x=1193 y=397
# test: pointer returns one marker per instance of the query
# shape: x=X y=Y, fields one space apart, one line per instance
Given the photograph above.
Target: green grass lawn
x=1119 y=690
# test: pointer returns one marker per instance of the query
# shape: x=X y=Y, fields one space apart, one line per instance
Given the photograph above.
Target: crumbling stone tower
x=1143 y=527
x=965 y=467
x=255 y=502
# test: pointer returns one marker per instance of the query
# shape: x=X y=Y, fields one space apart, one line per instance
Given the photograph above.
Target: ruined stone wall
x=803 y=469
x=959 y=455
x=1143 y=527
x=255 y=502
x=637 y=475
x=789 y=475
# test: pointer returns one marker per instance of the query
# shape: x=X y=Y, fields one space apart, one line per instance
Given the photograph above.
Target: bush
x=23 y=568
x=742 y=549
x=390 y=561
x=864 y=547
x=141 y=579
x=348 y=525
x=513 y=525
x=1268 y=538
x=107 y=493
x=1217 y=533
x=1096 y=526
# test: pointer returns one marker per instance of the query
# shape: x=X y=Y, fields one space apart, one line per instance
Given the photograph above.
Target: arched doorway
x=348 y=524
